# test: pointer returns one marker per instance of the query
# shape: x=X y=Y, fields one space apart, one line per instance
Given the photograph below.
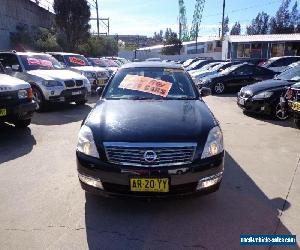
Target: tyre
x=22 y=123
x=280 y=112
x=219 y=88
x=297 y=122
x=39 y=99
x=81 y=102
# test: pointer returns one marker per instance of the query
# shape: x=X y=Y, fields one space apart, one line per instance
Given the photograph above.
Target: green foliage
x=236 y=29
x=226 y=25
x=172 y=45
x=46 y=41
x=259 y=25
x=96 y=47
x=72 y=18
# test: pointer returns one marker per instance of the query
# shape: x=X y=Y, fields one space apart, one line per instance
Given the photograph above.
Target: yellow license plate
x=160 y=185
x=101 y=82
x=3 y=112
x=296 y=106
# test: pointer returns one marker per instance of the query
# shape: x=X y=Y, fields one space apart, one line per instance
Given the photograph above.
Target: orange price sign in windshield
x=146 y=84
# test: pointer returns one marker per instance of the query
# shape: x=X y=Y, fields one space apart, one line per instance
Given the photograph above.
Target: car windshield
x=230 y=69
x=98 y=62
x=111 y=63
x=40 y=61
x=76 y=60
x=220 y=66
x=151 y=83
x=292 y=74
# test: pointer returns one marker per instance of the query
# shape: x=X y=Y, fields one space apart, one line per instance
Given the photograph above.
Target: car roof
x=151 y=65
x=24 y=53
x=63 y=53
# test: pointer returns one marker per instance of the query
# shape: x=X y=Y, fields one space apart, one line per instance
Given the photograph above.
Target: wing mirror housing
x=205 y=91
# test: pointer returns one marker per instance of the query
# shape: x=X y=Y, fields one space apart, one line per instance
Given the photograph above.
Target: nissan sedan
x=150 y=135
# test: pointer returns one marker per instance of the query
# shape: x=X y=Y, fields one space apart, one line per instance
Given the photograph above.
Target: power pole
x=98 y=24
x=223 y=20
x=197 y=31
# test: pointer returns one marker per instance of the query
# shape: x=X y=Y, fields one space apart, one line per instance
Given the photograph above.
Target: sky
x=144 y=17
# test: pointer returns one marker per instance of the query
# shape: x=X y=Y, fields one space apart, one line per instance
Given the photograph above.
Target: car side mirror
x=205 y=91
x=99 y=91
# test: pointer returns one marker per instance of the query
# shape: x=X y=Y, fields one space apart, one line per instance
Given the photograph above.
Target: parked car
x=49 y=81
x=107 y=64
x=235 y=77
x=264 y=97
x=123 y=150
x=205 y=68
x=279 y=64
x=153 y=60
x=97 y=76
x=291 y=103
x=199 y=64
x=16 y=100
x=219 y=67
x=119 y=60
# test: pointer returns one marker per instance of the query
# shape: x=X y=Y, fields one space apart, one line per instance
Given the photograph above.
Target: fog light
x=209 y=181
x=91 y=181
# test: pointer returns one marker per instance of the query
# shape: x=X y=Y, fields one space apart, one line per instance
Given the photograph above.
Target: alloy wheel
x=219 y=88
x=281 y=113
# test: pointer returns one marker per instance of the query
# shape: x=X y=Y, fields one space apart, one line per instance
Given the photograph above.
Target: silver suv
x=49 y=81
x=97 y=76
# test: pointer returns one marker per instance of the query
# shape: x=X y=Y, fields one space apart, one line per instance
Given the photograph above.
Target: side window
x=11 y=61
x=244 y=70
x=59 y=58
x=292 y=60
x=279 y=63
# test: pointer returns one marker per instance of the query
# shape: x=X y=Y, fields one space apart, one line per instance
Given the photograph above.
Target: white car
x=280 y=64
x=97 y=76
x=49 y=81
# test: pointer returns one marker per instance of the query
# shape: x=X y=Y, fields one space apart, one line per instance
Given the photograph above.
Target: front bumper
x=20 y=111
x=115 y=179
x=70 y=95
x=262 y=106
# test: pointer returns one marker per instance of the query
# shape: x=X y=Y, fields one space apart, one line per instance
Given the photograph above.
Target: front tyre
x=39 y=99
x=219 y=88
x=22 y=123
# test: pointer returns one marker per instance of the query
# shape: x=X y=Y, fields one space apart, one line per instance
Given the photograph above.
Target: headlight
x=86 y=143
x=214 y=143
x=52 y=84
x=23 y=94
x=206 y=81
x=88 y=74
x=263 y=95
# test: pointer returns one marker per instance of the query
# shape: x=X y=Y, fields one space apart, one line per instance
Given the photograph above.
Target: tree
x=99 y=46
x=158 y=36
x=281 y=23
x=172 y=45
x=72 y=18
x=226 y=26
x=236 y=29
x=259 y=25
x=295 y=18
x=46 y=40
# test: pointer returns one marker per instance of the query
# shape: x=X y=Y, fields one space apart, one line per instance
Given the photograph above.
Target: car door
x=241 y=76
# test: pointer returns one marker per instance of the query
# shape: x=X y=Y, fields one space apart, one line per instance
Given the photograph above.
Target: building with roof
x=260 y=46
x=22 y=14
x=204 y=47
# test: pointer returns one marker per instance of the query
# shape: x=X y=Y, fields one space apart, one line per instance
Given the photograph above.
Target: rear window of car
x=151 y=83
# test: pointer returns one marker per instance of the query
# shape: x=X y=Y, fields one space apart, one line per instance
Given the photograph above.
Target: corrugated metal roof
x=264 y=38
x=200 y=40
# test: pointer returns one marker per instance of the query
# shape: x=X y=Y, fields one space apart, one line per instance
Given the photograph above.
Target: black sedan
x=235 y=77
x=264 y=97
x=150 y=134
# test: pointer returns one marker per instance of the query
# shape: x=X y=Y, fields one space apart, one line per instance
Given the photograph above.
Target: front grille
x=135 y=154
x=102 y=75
x=8 y=98
x=79 y=83
x=70 y=83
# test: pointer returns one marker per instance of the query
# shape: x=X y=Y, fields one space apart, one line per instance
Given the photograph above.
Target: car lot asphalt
x=43 y=207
